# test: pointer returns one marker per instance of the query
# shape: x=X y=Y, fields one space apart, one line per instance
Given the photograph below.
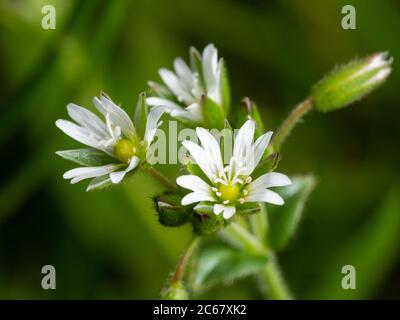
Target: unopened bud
x=351 y=82
x=170 y=211
x=205 y=222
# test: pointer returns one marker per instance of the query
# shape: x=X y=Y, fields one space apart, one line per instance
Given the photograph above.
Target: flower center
x=229 y=192
x=124 y=150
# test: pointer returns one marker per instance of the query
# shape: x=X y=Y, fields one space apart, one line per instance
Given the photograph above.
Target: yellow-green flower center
x=125 y=149
x=229 y=192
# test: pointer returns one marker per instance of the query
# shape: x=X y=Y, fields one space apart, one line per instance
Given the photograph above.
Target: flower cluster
x=198 y=95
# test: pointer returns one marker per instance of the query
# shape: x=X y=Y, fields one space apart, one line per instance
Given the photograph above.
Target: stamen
x=225 y=202
x=248 y=179
x=241 y=200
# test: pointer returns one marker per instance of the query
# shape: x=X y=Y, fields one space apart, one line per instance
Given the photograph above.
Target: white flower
x=230 y=186
x=187 y=86
x=116 y=138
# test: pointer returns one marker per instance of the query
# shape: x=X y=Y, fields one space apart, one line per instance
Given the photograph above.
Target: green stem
x=294 y=117
x=175 y=289
x=259 y=224
x=183 y=261
x=157 y=175
x=240 y=237
x=272 y=276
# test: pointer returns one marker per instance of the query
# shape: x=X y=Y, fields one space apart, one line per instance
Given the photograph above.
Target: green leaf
x=225 y=88
x=283 y=220
x=249 y=109
x=87 y=157
x=213 y=114
x=141 y=112
x=221 y=264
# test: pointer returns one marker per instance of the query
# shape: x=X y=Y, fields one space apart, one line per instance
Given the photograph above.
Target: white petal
x=229 y=211
x=193 y=183
x=210 y=61
x=117 y=115
x=195 y=111
x=218 y=208
x=87 y=119
x=200 y=156
x=265 y=196
x=156 y=101
x=271 y=179
x=259 y=148
x=152 y=123
x=82 y=173
x=183 y=71
x=78 y=133
x=211 y=146
x=117 y=176
x=194 y=197
x=244 y=140
x=178 y=87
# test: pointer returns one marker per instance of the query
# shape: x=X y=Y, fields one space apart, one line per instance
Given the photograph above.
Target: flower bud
x=351 y=82
x=170 y=211
x=205 y=222
x=249 y=109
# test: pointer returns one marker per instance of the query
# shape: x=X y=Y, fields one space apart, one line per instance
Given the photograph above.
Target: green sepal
x=249 y=208
x=205 y=222
x=225 y=88
x=87 y=157
x=140 y=118
x=267 y=165
x=248 y=109
x=195 y=170
x=213 y=114
x=100 y=183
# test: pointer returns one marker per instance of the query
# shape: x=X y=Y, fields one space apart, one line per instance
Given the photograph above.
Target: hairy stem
x=240 y=237
x=290 y=122
x=273 y=279
x=183 y=261
x=270 y=275
x=157 y=175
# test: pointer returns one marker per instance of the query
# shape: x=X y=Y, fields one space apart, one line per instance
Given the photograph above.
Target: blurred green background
x=109 y=244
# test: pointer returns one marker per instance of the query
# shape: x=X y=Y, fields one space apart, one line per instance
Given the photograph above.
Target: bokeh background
x=109 y=244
